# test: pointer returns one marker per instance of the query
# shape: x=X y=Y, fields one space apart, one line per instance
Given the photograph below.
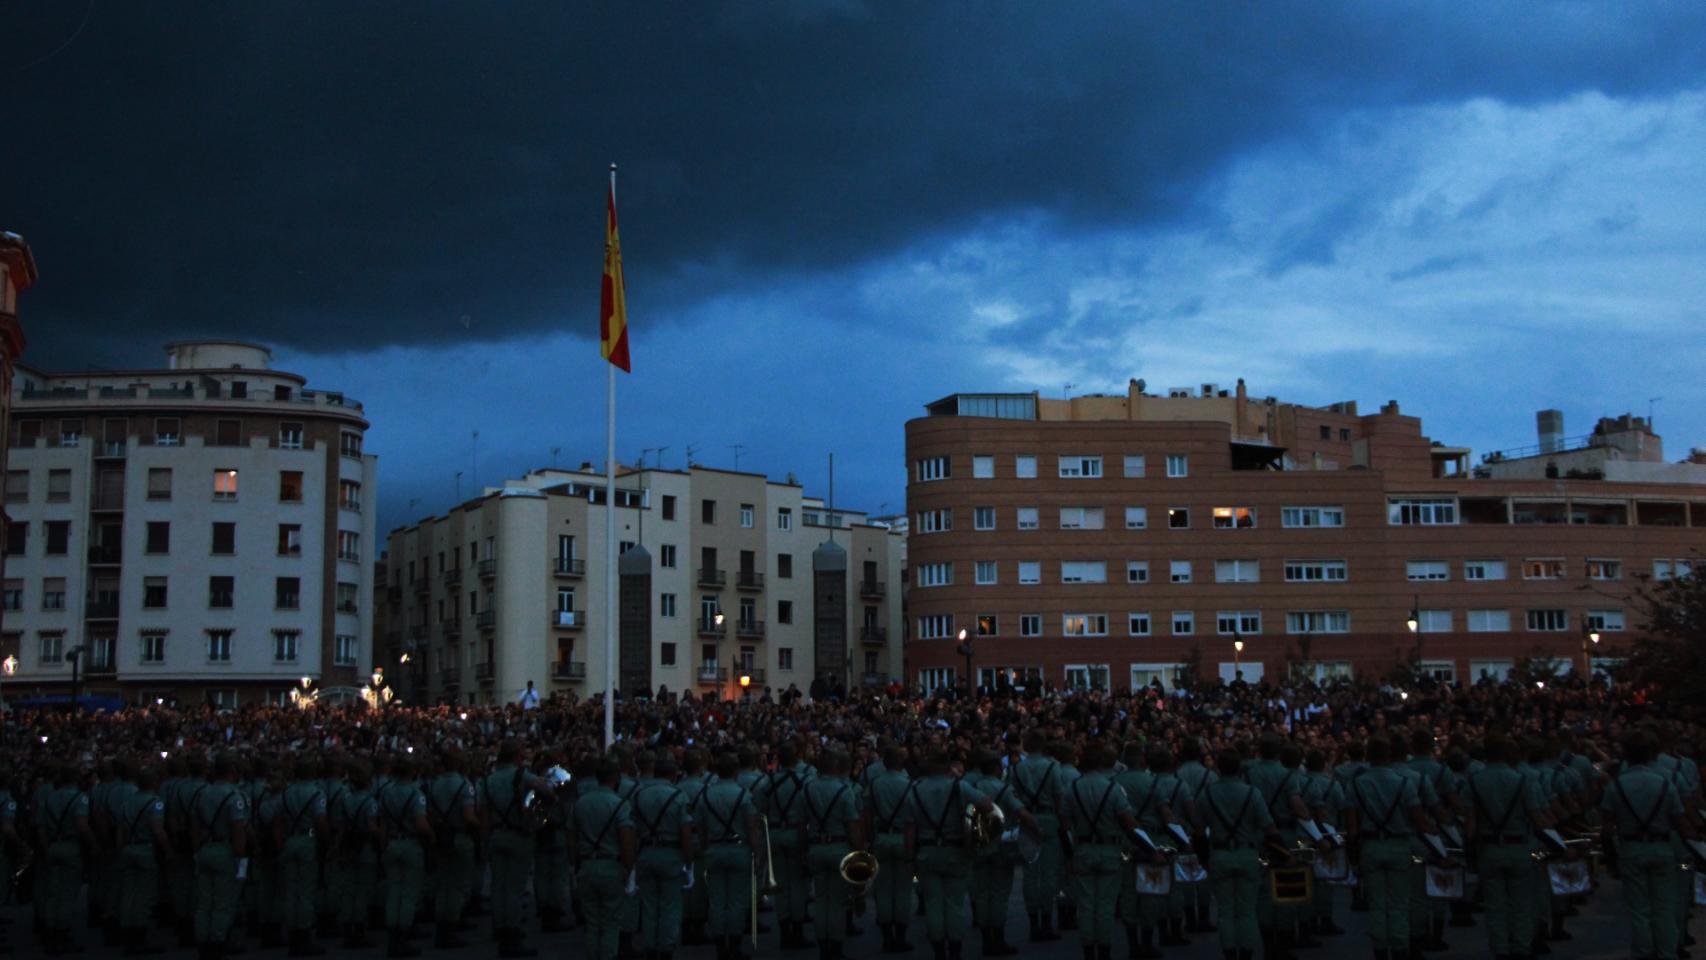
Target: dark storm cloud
x=333 y=176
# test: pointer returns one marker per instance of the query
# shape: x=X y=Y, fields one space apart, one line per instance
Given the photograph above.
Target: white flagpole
x=610 y=543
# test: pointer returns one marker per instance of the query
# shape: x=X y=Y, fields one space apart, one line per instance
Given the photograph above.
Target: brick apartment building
x=1102 y=541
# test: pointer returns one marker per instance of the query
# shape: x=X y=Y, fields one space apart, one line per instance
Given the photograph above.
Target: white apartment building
x=725 y=575
x=203 y=531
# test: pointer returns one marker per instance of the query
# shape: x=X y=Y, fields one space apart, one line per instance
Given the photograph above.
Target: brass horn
x=859 y=868
x=984 y=828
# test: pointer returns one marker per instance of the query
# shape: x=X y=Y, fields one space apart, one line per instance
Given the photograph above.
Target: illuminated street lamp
x=965 y=649
x=304 y=695
x=9 y=667
x=1589 y=635
x=1237 y=654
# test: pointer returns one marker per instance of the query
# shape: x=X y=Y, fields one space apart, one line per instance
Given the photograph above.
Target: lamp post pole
x=8 y=669
x=1589 y=635
x=1237 y=656
x=965 y=648
x=1414 y=622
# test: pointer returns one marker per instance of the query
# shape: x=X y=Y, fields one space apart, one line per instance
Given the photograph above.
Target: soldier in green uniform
x=1325 y=800
x=1641 y=812
x=455 y=817
x=1384 y=818
x=1194 y=777
x=1427 y=915
x=180 y=870
x=666 y=847
x=1099 y=818
x=936 y=839
x=1171 y=791
x=1141 y=914
x=1281 y=788
x=992 y=864
x=727 y=824
x=1233 y=821
x=602 y=848
x=551 y=849
x=11 y=843
x=405 y=834
x=219 y=824
x=1036 y=781
x=886 y=801
x=141 y=825
x=785 y=814
x=62 y=824
x=834 y=828
x=298 y=827
x=1345 y=770
x=355 y=859
x=695 y=907
x=1505 y=809
x=505 y=796
x=626 y=788
x=103 y=865
x=1066 y=905
x=270 y=782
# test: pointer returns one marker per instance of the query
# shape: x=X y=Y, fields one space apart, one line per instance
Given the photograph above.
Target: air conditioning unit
x=1178 y=392
x=1209 y=389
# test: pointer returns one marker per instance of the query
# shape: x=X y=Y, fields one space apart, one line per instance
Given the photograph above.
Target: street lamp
x=9 y=667
x=1589 y=635
x=304 y=695
x=717 y=665
x=1237 y=654
x=75 y=655
x=965 y=649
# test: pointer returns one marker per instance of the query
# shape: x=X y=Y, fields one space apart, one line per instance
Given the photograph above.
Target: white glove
x=243 y=869
x=633 y=886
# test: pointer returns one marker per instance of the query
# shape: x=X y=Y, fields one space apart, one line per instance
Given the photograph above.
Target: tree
x=1671 y=656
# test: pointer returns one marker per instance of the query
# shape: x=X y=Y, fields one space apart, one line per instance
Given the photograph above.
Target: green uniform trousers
x=405 y=869
x=598 y=884
x=298 y=875
x=991 y=886
x=452 y=876
x=696 y=902
x=832 y=893
x=659 y=876
x=1096 y=891
x=1684 y=888
x=139 y=887
x=216 y=889
x=512 y=864
x=1650 y=879
x=61 y=878
x=728 y=888
x=943 y=875
x=1506 y=872
x=349 y=883
x=1236 y=877
x=103 y=866
x=1386 y=873
x=1042 y=879
x=893 y=886
x=180 y=879
x=263 y=877
x=792 y=881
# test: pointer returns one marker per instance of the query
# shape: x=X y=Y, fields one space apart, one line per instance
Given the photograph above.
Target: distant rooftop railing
x=1536 y=450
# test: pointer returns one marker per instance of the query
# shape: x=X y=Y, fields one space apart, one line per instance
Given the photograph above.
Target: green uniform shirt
x=1383 y=798
x=1505 y=801
x=301 y=805
x=888 y=799
x=1195 y=777
x=1091 y=807
x=660 y=811
x=831 y=802
x=1641 y=803
x=723 y=812
x=450 y=796
x=1277 y=785
x=400 y=802
x=782 y=796
x=217 y=809
x=136 y=820
x=1037 y=781
x=1322 y=792
x=504 y=793
x=64 y=806
x=597 y=821
x=1234 y=812
x=1144 y=790
x=938 y=809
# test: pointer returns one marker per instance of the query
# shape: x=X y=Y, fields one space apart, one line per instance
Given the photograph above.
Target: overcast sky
x=835 y=211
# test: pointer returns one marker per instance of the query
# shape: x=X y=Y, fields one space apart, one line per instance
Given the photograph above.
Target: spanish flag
x=613 y=306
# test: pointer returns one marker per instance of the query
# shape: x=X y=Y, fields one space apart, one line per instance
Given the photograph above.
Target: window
x=1080 y=518
x=785 y=659
x=349 y=546
x=224 y=538
x=1178 y=518
x=1030 y=572
x=1605 y=621
x=290 y=436
x=52 y=648
x=1488 y=621
x=287 y=593
x=1604 y=569
x=1317 y=621
x=938 y=626
x=53 y=593
x=988 y=625
x=668 y=506
x=985 y=572
x=1237 y=571
x=1427 y=570
x=1079 y=466
x=708 y=511
x=784 y=611
x=153 y=648
x=1179 y=571
x=17 y=537
x=1243 y=622
x=13 y=596
x=220 y=591
x=159 y=483
x=290 y=540
x=1083 y=571
x=784 y=518
x=1483 y=569
x=1548 y=568
x=1434 y=512
x=284 y=645
x=224 y=484
x=58 y=537
x=1134 y=467
x=58 y=486
x=935 y=574
x=1136 y=518
x=219 y=646
x=346 y=599
x=1312 y=516
x=1178 y=465
x=1137 y=624
x=1233 y=518
x=153 y=593
x=1433 y=621
x=1664 y=569
x=982 y=467
x=1086 y=676
x=1137 y=571
x=666 y=654
x=666 y=605
x=1084 y=624
x=349 y=444
x=933 y=468
x=17 y=486
x=227 y=433
x=1326 y=432
x=1548 y=620
x=1184 y=623
x=349 y=495
x=983 y=518
x=784 y=566
x=1025 y=467
x=935 y=521
x=167 y=432
x=1311 y=571
x=1027 y=518
x=290 y=486
x=159 y=537
x=746 y=515
x=344 y=650
x=1030 y=624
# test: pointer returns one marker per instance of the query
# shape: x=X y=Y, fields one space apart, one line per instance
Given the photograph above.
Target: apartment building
x=728 y=583
x=17 y=274
x=1104 y=541
x=201 y=531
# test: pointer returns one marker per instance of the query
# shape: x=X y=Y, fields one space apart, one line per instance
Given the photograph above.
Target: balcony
x=876 y=680
x=488 y=568
x=418 y=631
x=486 y=619
x=753 y=674
x=712 y=577
x=710 y=674
x=110 y=503
x=568 y=670
x=450 y=676
x=451 y=627
x=749 y=580
x=569 y=567
x=106 y=554
x=348 y=606
x=101 y=610
x=568 y=619
x=709 y=627
x=485 y=671
x=874 y=636
x=111 y=451
x=422 y=586
x=872 y=589
x=453 y=576
x=749 y=628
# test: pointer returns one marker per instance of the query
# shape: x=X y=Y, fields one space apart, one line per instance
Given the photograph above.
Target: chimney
x=1551 y=427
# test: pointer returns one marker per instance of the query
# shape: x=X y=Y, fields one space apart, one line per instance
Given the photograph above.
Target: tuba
x=858 y=869
x=983 y=829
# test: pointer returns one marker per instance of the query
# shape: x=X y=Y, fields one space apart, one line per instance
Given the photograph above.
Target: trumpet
x=770 y=885
x=859 y=868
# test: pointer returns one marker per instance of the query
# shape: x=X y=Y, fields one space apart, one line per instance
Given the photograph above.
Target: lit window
x=1230 y=518
x=1543 y=569
x=224 y=484
x=1084 y=624
x=1605 y=569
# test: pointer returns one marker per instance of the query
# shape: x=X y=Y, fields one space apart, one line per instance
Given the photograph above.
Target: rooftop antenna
x=413 y=503
x=554 y=452
x=1069 y=390
x=737 y=448
x=1650 y=402
x=831 y=517
x=474 y=463
x=691 y=449
x=458 y=486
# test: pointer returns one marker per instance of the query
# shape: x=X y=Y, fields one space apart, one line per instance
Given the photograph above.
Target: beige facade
x=510 y=586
